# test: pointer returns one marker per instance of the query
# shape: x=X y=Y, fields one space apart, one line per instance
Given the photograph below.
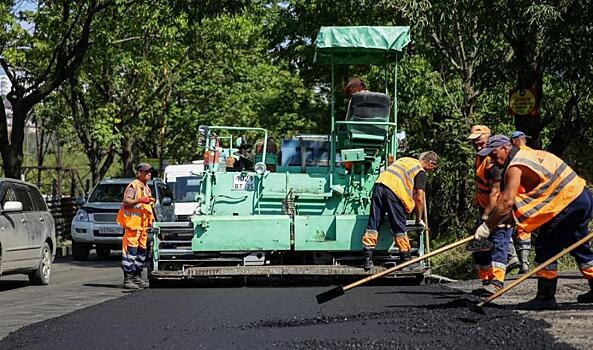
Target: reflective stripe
x=399 y=176
x=586 y=265
x=127 y=263
x=535 y=165
x=403 y=170
x=550 y=198
x=400 y=234
x=499 y=265
x=544 y=187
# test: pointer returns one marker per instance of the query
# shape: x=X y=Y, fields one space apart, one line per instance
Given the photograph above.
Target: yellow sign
x=522 y=102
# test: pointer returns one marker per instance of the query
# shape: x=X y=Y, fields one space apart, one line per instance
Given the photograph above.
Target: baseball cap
x=517 y=134
x=493 y=142
x=144 y=167
x=478 y=130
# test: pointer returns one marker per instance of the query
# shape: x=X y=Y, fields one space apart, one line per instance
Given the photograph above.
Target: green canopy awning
x=360 y=45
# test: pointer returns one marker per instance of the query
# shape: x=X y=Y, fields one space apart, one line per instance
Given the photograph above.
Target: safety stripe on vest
x=128 y=212
x=407 y=173
x=399 y=176
x=551 y=197
x=534 y=165
x=551 y=179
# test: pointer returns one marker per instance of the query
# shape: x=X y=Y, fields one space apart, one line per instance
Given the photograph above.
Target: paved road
x=73 y=286
x=96 y=314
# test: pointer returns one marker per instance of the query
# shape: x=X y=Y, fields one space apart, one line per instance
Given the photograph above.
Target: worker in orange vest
x=490 y=259
x=398 y=191
x=136 y=216
x=556 y=203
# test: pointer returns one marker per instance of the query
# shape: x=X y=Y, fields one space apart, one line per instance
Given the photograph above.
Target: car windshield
x=111 y=192
x=184 y=188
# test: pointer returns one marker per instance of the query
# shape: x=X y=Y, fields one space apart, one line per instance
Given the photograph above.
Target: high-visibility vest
x=483 y=185
x=559 y=186
x=139 y=216
x=399 y=178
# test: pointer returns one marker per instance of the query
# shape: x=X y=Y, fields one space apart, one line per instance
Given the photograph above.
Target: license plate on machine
x=243 y=183
x=110 y=230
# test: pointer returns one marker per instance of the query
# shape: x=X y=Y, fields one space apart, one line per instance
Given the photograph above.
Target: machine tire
x=42 y=275
x=103 y=252
x=80 y=251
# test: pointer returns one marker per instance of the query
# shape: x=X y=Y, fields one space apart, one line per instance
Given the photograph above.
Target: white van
x=184 y=181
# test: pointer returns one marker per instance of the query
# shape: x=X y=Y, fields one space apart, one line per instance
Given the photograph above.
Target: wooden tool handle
x=539 y=267
x=409 y=262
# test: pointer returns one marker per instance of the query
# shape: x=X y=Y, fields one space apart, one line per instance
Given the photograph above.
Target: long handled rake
x=479 y=307
x=340 y=290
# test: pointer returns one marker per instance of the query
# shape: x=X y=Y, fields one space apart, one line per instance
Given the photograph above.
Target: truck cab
x=184 y=181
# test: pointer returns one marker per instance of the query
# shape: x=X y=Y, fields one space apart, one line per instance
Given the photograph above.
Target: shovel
x=340 y=290
x=479 y=307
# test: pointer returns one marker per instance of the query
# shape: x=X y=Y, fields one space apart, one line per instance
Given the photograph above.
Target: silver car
x=95 y=225
x=27 y=232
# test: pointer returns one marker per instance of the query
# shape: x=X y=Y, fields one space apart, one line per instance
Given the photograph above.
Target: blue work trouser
x=569 y=226
x=385 y=201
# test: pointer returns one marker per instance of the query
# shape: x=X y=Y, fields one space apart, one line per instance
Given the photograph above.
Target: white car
x=27 y=232
x=95 y=224
x=185 y=180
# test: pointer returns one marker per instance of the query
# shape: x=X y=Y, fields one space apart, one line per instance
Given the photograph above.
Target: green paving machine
x=297 y=214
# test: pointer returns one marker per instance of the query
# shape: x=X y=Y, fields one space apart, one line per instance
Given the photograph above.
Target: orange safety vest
x=399 y=178
x=139 y=216
x=559 y=186
x=483 y=185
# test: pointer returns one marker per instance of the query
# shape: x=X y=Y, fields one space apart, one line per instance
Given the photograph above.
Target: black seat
x=368 y=107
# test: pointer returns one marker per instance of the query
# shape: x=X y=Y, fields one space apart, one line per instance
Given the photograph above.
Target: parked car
x=184 y=180
x=27 y=232
x=95 y=223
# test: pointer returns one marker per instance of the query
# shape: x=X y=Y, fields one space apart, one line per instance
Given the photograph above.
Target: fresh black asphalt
x=377 y=317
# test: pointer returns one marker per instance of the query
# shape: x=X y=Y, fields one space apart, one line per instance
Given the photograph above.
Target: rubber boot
x=545 y=298
x=368 y=258
x=524 y=258
x=137 y=280
x=587 y=297
x=128 y=281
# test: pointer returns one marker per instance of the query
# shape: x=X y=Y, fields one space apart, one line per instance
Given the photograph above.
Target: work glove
x=482 y=232
x=145 y=200
x=421 y=223
x=484 y=217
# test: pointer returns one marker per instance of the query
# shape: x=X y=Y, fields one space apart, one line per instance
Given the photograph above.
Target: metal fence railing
x=62 y=210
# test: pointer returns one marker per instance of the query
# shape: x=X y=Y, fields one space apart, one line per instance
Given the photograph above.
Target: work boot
x=513 y=264
x=368 y=258
x=545 y=298
x=137 y=280
x=524 y=258
x=587 y=297
x=128 y=282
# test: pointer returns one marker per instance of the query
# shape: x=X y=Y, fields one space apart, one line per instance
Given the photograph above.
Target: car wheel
x=103 y=252
x=80 y=252
x=42 y=274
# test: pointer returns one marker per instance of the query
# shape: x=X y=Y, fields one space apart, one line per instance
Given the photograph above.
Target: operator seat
x=368 y=107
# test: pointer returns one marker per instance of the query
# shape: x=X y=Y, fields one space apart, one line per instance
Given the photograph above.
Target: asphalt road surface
x=377 y=317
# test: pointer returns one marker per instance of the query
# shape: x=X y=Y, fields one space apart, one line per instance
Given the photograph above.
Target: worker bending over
x=398 y=190
x=556 y=202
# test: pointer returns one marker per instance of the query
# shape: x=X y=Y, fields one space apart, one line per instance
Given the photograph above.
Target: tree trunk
x=12 y=150
x=565 y=132
x=128 y=158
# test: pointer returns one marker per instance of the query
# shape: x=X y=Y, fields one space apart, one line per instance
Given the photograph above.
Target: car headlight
x=260 y=168
x=81 y=215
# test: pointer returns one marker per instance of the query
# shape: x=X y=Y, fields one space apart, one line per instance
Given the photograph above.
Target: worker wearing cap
x=490 y=260
x=398 y=190
x=136 y=216
x=523 y=239
x=556 y=203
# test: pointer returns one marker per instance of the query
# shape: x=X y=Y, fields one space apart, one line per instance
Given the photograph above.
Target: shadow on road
x=94 y=261
x=103 y=285
x=9 y=285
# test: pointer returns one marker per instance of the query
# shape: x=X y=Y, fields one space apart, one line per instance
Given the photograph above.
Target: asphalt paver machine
x=298 y=216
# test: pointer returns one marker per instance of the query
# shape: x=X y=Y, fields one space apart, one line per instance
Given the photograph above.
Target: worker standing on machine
x=556 y=202
x=136 y=216
x=490 y=260
x=398 y=190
